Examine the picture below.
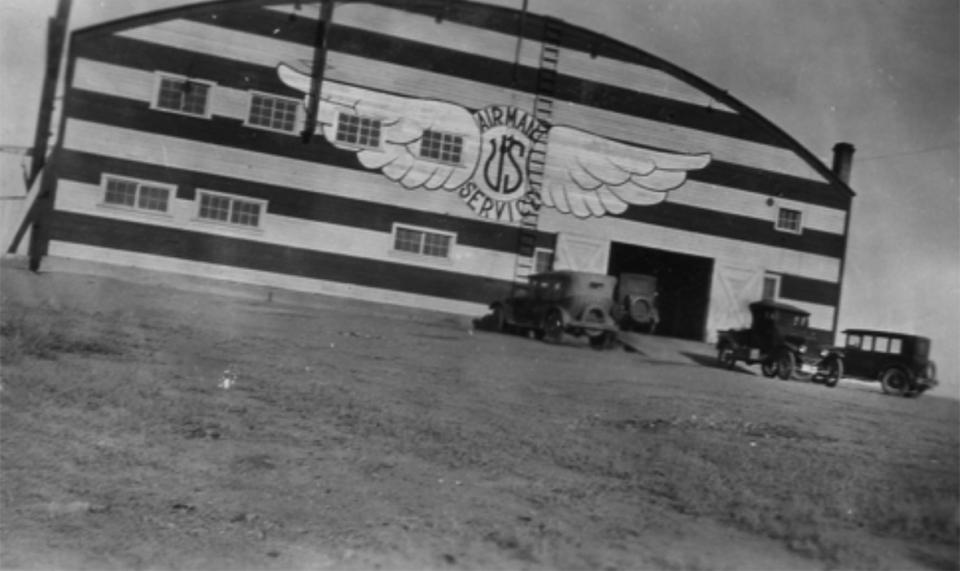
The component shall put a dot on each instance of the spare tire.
(641, 310)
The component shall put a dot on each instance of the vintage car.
(561, 302)
(635, 303)
(780, 339)
(900, 362)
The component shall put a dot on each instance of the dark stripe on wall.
(230, 132)
(145, 56)
(743, 228)
(295, 203)
(253, 255)
(799, 288)
(417, 55)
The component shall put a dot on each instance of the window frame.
(297, 117)
(158, 85)
(420, 255)
(439, 160)
(233, 198)
(537, 252)
(357, 145)
(780, 228)
(105, 179)
(777, 279)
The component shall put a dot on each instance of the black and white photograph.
(480, 284)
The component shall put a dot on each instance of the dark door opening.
(683, 285)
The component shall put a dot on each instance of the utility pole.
(319, 65)
(56, 37)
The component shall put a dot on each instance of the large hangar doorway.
(683, 283)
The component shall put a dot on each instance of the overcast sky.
(881, 74)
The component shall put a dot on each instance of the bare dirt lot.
(158, 423)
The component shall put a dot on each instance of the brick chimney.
(843, 161)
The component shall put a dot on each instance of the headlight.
(824, 352)
(802, 349)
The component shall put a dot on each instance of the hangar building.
(431, 154)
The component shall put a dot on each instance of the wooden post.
(56, 36)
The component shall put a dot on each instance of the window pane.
(408, 240)
(245, 213)
(153, 198)
(273, 112)
(214, 207)
(122, 192)
(441, 146)
(770, 287)
(356, 130)
(895, 346)
(867, 343)
(881, 344)
(436, 245)
(788, 220)
(183, 95)
(543, 261)
(853, 341)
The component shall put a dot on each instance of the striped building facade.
(458, 146)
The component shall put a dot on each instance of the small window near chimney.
(789, 220)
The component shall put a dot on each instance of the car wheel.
(786, 363)
(553, 327)
(769, 368)
(896, 381)
(726, 357)
(833, 370)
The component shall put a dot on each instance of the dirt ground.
(154, 422)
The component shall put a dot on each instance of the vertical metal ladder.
(542, 110)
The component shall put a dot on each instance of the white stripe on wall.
(241, 275)
(721, 249)
(282, 231)
(264, 168)
(503, 47)
(203, 38)
(372, 186)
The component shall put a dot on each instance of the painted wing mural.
(487, 153)
(589, 175)
(402, 122)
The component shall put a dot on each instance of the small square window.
(853, 341)
(442, 147)
(357, 130)
(789, 220)
(272, 112)
(183, 95)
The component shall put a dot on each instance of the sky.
(881, 74)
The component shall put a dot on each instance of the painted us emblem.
(500, 187)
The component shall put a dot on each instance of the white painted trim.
(255, 277)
